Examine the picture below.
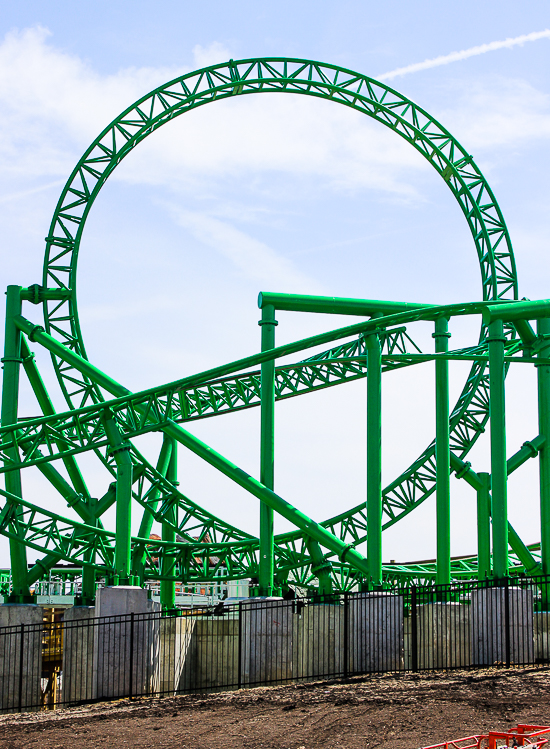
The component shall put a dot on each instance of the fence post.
(507, 619)
(414, 631)
(240, 647)
(346, 634)
(21, 653)
(131, 653)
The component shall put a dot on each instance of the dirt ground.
(402, 712)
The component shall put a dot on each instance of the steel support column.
(484, 527)
(10, 395)
(543, 375)
(139, 552)
(168, 587)
(374, 460)
(497, 411)
(320, 566)
(120, 450)
(267, 452)
(442, 454)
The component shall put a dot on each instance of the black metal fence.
(83, 658)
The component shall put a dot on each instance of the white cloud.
(211, 55)
(52, 105)
(295, 135)
(498, 112)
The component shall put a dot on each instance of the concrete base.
(318, 636)
(488, 630)
(266, 641)
(175, 653)
(407, 642)
(79, 666)
(212, 662)
(20, 657)
(121, 599)
(443, 632)
(127, 654)
(541, 624)
(376, 633)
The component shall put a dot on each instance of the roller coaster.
(104, 419)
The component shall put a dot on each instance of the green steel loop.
(376, 100)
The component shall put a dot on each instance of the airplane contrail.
(463, 54)
(32, 191)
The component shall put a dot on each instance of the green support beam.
(484, 527)
(120, 450)
(335, 305)
(320, 567)
(146, 525)
(442, 454)
(481, 482)
(168, 586)
(374, 461)
(543, 383)
(525, 332)
(38, 294)
(267, 453)
(10, 398)
(510, 312)
(498, 449)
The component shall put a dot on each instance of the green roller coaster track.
(104, 417)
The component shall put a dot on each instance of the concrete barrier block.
(488, 626)
(266, 647)
(318, 638)
(443, 633)
(79, 663)
(20, 657)
(127, 653)
(376, 632)
(541, 622)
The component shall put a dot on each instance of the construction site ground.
(387, 711)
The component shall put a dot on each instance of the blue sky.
(282, 194)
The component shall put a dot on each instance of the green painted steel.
(104, 416)
(139, 554)
(11, 362)
(120, 449)
(482, 484)
(484, 527)
(518, 311)
(442, 453)
(334, 305)
(543, 378)
(266, 561)
(168, 566)
(498, 449)
(374, 460)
